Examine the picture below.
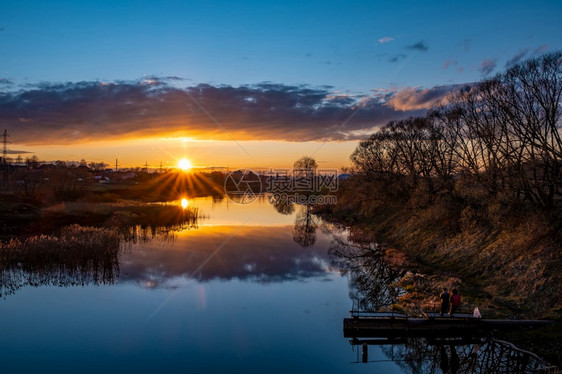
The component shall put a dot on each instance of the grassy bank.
(505, 260)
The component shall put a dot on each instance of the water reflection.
(257, 253)
(371, 278)
(373, 287)
(304, 231)
(454, 355)
(306, 224)
(156, 244)
(147, 221)
(284, 207)
(78, 256)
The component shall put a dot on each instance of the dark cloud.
(487, 66)
(5, 82)
(419, 46)
(398, 58)
(16, 152)
(516, 58)
(87, 111)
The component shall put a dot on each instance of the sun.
(184, 203)
(184, 164)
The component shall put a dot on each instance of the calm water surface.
(248, 290)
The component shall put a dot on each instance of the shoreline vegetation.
(34, 204)
(472, 190)
(76, 256)
(74, 238)
(78, 243)
(468, 196)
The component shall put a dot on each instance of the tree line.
(500, 137)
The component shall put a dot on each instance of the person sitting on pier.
(444, 302)
(455, 301)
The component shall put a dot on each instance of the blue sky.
(319, 43)
(343, 47)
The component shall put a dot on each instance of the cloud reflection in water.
(256, 253)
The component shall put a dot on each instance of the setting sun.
(184, 203)
(185, 164)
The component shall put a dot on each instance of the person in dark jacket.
(444, 301)
(455, 301)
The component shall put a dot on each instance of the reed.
(77, 256)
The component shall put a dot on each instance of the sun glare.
(184, 203)
(184, 164)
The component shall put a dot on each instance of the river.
(247, 289)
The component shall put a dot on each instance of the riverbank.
(509, 259)
(509, 269)
(21, 220)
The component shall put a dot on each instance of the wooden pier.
(391, 325)
(461, 333)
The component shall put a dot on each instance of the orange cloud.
(416, 98)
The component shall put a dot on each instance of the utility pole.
(160, 167)
(116, 169)
(146, 166)
(5, 142)
(5, 146)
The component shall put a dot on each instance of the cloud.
(419, 46)
(5, 82)
(65, 113)
(385, 39)
(516, 58)
(16, 152)
(487, 66)
(416, 98)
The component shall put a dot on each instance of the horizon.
(230, 85)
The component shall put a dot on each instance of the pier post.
(365, 353)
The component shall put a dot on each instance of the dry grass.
(78, 256)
